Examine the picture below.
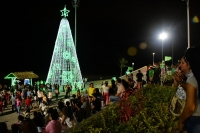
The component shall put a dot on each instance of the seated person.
(80, 112)
(86, 106)
(3, 127)
(28, 126)
(68, 116)
(38, 120)
(98, 94)
(67, 100)
(16, 126)
(27, 114)
(54, 126)
(120, 90)
(60, 105)
(96, 103)
(43, 106)
(46, 117)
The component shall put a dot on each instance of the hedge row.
(154, 117)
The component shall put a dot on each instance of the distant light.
(163, 36)
(132, 51)
(153, 53)
(143, 45)
(195, 19)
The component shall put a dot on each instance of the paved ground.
(11, 117)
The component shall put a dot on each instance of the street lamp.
(162, 37)
(188, 22)
(75, 4)
(153, 57)
(133, 65)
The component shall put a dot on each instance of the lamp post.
(172, 54)
(133, 65)
(162, 37)
(75, 4)
(153, 57)
(188, 21)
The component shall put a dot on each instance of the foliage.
(122, 63)
(126, 109)
(152, 116)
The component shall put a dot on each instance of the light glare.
(163, 36)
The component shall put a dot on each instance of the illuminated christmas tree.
(64, 68)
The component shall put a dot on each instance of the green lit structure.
(64, 68)
(26, 76)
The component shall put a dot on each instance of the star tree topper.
(64, 12)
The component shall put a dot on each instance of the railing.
(143, 71)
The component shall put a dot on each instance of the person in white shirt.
(105, 90)
(44, 108)
(49, 97)
(120, 90)
(39, 95)
(13, 101)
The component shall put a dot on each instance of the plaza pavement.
(11, 117)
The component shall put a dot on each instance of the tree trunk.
(121, 72)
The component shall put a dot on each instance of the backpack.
(178, 102)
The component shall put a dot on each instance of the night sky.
(105, 31)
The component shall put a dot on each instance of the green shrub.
(153, 117)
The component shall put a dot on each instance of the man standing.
(68, 90)
(13, 102)
(139, 76)
(28, 102)
(39, 95)
(157, 75)
(151, 75)
(28, 93)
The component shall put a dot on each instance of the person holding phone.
(190, 65)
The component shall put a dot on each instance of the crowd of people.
(69, 111)
(75, 108)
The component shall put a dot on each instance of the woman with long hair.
(68, 116)
(190, 65)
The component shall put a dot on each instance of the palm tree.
(122, 64)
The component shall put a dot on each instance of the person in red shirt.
(1, 106)
(18, 95)
(28, 102)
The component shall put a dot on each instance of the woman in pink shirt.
(18, 105)
(54, 126)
